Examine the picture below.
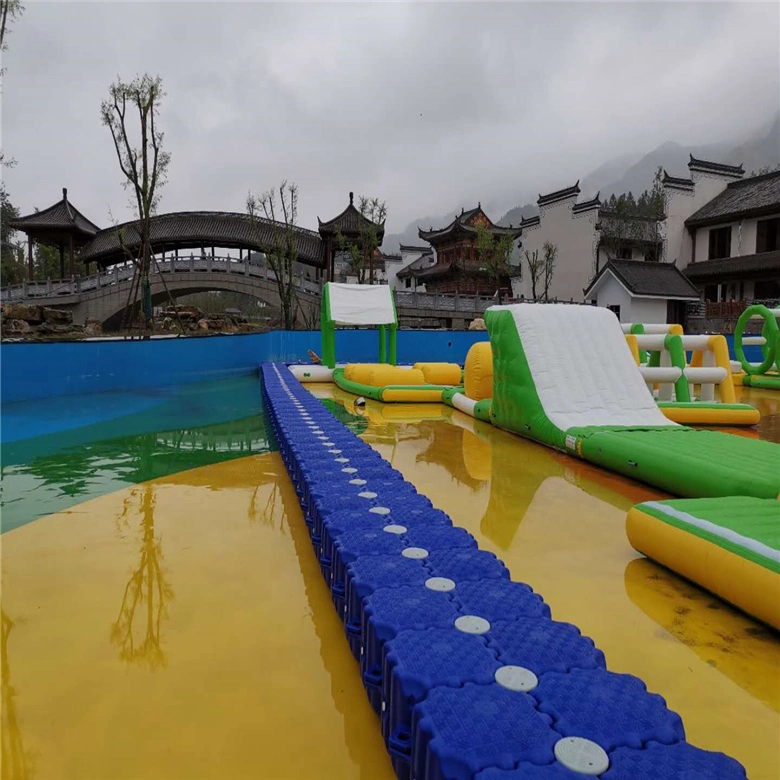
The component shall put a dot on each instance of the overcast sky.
(429, 106)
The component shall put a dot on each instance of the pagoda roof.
(61, 219)
(349, 223)
(466, 224)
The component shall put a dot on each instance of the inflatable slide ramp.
(565, 376)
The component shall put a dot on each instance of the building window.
(768, 235)
(408, 282)
(625, 253)
(711, 293)
(720, 243)
(766, 288)
(616, 309)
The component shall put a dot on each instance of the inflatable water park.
(468, 671)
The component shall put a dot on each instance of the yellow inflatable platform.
(730, 546)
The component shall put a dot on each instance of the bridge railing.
(439, 302)
(53, 288)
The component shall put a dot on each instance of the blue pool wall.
(44, 370)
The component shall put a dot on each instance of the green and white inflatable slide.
(564, 376)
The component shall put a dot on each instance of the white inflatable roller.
(464, 404)
(311, 373)
(703, 375)
(660, 373)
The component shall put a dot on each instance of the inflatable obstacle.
(474, 398)
(468, 672)
(730, 546)
(565, 376)
(420, 383)
(660, 352)
(767, 373)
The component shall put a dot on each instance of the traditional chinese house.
(458, 268)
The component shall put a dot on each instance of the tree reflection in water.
(16, 762)
(147, 587)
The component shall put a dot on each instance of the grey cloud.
(430, 106)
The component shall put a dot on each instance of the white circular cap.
(323, 436)
(328, 443)
(379, 510)
(395, 529)
(581, 755)
(342, 460)
(415, 553)
(516, 678)
(471, 624)
(335, 452)
(357, 482)
(349, 470)
(442, 584)
(367, 494)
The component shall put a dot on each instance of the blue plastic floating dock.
(471, 676)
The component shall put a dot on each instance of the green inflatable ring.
(770, 332)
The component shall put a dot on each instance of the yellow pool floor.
(181, 628)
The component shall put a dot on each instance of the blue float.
(470, 675)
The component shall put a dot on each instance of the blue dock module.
(470, 675)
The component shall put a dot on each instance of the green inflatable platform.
(564, 376)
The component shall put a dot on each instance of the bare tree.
(142, 159)
(493, 255)
(535, 269)
(10, 11)
(264, 212)
(548, 267)
(361, 253)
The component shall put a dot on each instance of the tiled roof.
(587, 205)
(61, 217)
(531, 221)
(765, 262)
(193, 229)
(554, 197)
(425, 250)
(676, 183)
(706, 166)
(749, 197)
(661, 280)
(413, 269)
(349, 222)
(460, 224)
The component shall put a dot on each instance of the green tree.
(493, 253)
(144, 165)
(264, 212)
(361, 253)
(12, 268)
(47, 262)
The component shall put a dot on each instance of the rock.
(20, 311)
(92, 329)
(16, 328)
(203, 325)
(477, 324)
(58, 315)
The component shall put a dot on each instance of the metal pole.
(30, 272)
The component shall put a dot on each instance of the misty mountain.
(757, 151)
(408, 235)
(632, 173)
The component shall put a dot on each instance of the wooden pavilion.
(61, 225)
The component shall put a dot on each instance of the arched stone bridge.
(103, 296)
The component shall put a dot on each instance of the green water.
(83, 447)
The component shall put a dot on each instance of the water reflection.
(139, 641)
(361, 728)
(15, 760)
(52, 482)
(723, 637)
